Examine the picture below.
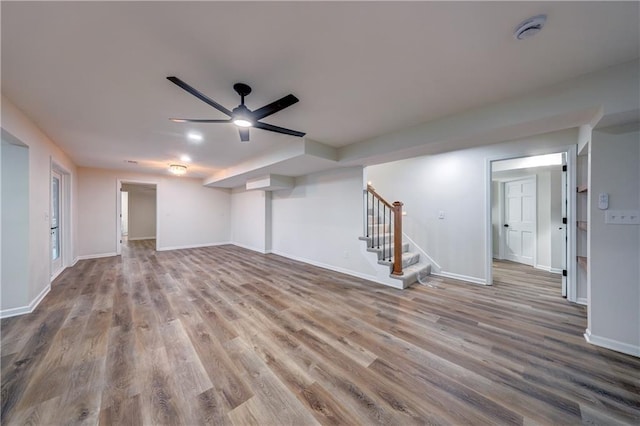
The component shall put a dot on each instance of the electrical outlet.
(441, 214)
(622, 217)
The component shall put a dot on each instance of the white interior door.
(56, 223)
(520, 220)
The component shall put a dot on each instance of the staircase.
(383, 223)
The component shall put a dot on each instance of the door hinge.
(564, 167)
(120, 241)
(564, 220)
(564, 272)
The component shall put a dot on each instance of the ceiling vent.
(530, 27)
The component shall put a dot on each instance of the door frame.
(502, 244)
(64, 220)
(119, 183)
(571, 158)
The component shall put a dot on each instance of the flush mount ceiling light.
(178, 169)
(529, 27)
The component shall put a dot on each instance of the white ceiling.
(92, 75)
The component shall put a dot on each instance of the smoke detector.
(530, 27)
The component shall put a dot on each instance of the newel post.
(397, 238)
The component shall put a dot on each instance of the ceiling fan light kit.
(241, 116)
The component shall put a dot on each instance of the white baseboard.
(244, 246)
(581, 301)
(614, 345)
(56, 275)
(74, 262)
(331, 267)
(141, 238)
(460, 277)
(548, 269)
(224, 243)
(94, 256)
(6, 313)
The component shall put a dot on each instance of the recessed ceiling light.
(185, 158)
(530, 27)
(194, 136)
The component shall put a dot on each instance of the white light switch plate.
(622, 217)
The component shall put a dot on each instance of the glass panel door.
(56, 244)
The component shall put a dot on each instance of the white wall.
(454, 183)
(15, 225)
(614, 250)
(142, 214)
(42, 152)
(188, 214)
(320, 219)
(251, 219)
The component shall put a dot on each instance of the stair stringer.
(435, 267)
(381, 271)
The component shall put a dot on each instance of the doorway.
(59, 220)
(529, 209)
(136, 212)
(56, 230)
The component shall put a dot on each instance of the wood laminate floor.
(223, 335)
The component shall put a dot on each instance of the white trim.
(74, 262)
(582, 301)
(337, 269)
(141, 238)
(615, 345)
(251, 248)
(57, 274)
(224, 243)
(460, 277)
(548, 269)
(95, 256)
(26, 309)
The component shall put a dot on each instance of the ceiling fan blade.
(197, 120)
(194, 92)
(272, 128)
(244, 134)
(274, 107)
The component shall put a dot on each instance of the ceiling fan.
(241, 116)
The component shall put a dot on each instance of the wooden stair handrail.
(396, 209)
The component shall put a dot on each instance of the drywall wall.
(142, 214)
(320, 219)
(15, 225)
(454, 183)
(42, 154)
(250, 219)
(612, 91)
(614, 250)
(188, 214)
